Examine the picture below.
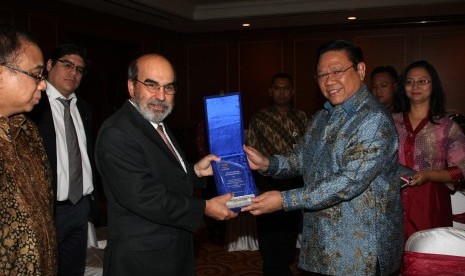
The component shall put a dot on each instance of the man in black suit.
(152, 212)
(66, 67)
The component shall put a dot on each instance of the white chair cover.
(442, 240)
(458, 207)
(91, 235)
(241, 233)
(95, 252)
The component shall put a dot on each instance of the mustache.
(157, 102)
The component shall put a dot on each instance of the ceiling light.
(245, 24)
(351, 17)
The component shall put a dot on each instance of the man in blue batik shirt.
(348, 159)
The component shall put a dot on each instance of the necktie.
(74, 155)
(160, 130)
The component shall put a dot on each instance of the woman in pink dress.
(432, 145)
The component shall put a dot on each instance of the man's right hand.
(217, 209)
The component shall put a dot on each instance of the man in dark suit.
(72, 170)
(152, 212)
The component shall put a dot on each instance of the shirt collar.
(349, 106)
(53, 94)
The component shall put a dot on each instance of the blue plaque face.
(225, 136)
(233, 175)
(224, 124)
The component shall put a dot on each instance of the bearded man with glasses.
(152, 212)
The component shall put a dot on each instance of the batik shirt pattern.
(27, 232)
(351, 198)
(273, 133)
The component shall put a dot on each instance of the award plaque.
(226, 137)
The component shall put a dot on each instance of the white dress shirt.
(62, 152)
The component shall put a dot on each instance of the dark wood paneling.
(233, 61)
(444, 49)
(174, 51)
(382, 50)
(44, 28)
(207, 75)
(104, 87)
(308, 96)
(6, 16)
(258, 62)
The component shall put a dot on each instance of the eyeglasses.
(152, 87)
(71, 66)
(417, 82)
(39, 77)
(336, 73)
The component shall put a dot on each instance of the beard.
(149, 114)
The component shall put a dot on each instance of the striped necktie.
(161, 131)
(74, 155)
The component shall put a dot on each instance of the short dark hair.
(354, 53)
(11, 41)
(391, 71)
(70, 49)
(282, 75)
(437, 99)
(133, 70)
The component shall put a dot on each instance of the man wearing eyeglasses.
(152, 212)
(348, 158)
(27, 240)
(64, 121)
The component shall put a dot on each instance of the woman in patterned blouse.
(431, 144)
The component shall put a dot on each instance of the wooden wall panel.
(104, 87)
(445, 51)
(207, 75)
(44, 29)
(6, 16)
(308, 95)
(382, 50)
(175, 52)
(233, 61)
(258, 62)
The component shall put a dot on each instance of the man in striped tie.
(152, 212)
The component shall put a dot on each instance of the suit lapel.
(152, 134)
(174, 142)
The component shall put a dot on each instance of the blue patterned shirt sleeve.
(348, 159)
